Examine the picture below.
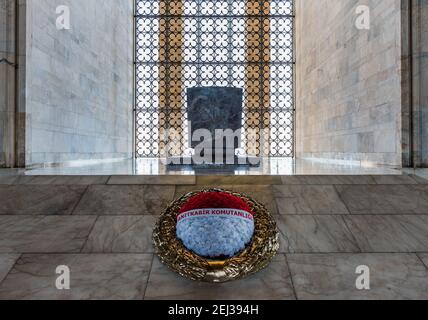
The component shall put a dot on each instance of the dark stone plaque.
(214, 108)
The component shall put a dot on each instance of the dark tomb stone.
(212, 109)
(215, 108)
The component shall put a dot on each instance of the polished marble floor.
(268, 166)
(100, 226)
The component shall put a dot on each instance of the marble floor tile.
(419, 180)
(333, 276)
(316, 234)
(125, 200)
(283, 241)
(6, 263)
(61, 180)
(7, 180)
(215, 180)
(393, 233)
(327, 179)
(153, 180)
(394, 179)
(39, 200)
(273, 283)
(122, 234)
(308, 199)
(424, 258)
(262, 194)
(40, 234)
(385, 199)
(92, 277)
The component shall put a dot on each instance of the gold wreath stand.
(258, 254)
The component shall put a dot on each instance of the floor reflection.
(269, 166)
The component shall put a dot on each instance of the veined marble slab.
(125, 200)
(273, 283)
(122, 234)
(6, 263)
(153, 180)
(92, 277)
(385, 199)
(39, 199)
(327, 179)
(30, 234)
(390, 233)
(308, 199)
(316, 234)
(333, 276)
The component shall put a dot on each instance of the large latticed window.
(228, 43)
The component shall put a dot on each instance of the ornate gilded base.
(258, 254)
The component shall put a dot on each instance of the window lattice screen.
(193, 43)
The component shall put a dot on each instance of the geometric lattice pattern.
(192, 43)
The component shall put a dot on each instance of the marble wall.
(419, 84)
(349, 82)
(7, 80)
(79, 86)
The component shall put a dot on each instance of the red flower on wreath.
(215, 200)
